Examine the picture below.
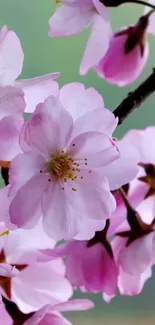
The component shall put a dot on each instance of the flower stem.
(135, 98)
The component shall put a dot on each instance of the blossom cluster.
(66, 177)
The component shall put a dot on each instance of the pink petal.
(60, 220)
(68, 21)
(146, 209)
(91, 199)
(78, 100)
(141, 139)
(97, 148)
(42, 317)
(137, 256)
(49, 129)
(96, 41)
(99, 270)
(87, 4)
(8, 270)
(99, 120)
(12, 57)
(73, 305)
(10, 127)
(11, 101)
(101, 9)
(125, 68)
(4, 204)
(23, 167)
(30, 239)
(126, 165)
(25, 207)
(132, 284)
(38, 286)
(88, 228)
(37, 89)
(151, 26)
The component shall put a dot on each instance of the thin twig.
(135, 98)
(116, 3)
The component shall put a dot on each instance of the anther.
(73, 144)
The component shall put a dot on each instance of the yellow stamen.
(4, 233)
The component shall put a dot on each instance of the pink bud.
(126, 56)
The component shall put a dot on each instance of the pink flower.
(89, 264)
(59, 175)
(74, 16)
(51, 314)
(128, 284)
(126, 56)
(12, 56)
(35, 282)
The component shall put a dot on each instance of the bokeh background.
(29, 18)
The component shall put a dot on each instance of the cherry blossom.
(74, 16)
(62, 167)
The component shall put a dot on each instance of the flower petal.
(96, 40)
(11, 101)
(73, 305)
(60, 220)
(37, 89)
(33, 290)
(23, 167)
(11, 56)
(25, 207)
(130, 285)
(78, 100)
(126, 165)
(91, 199)
(49, 129)
(68, 21)
(137, 256)
(10, 127)
(95, 147)
(99, 120)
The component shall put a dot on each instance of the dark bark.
(135, 98)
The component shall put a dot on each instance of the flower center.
(61, 166)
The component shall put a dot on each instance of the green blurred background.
(29, 18)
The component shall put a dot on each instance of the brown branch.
(135, 98)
